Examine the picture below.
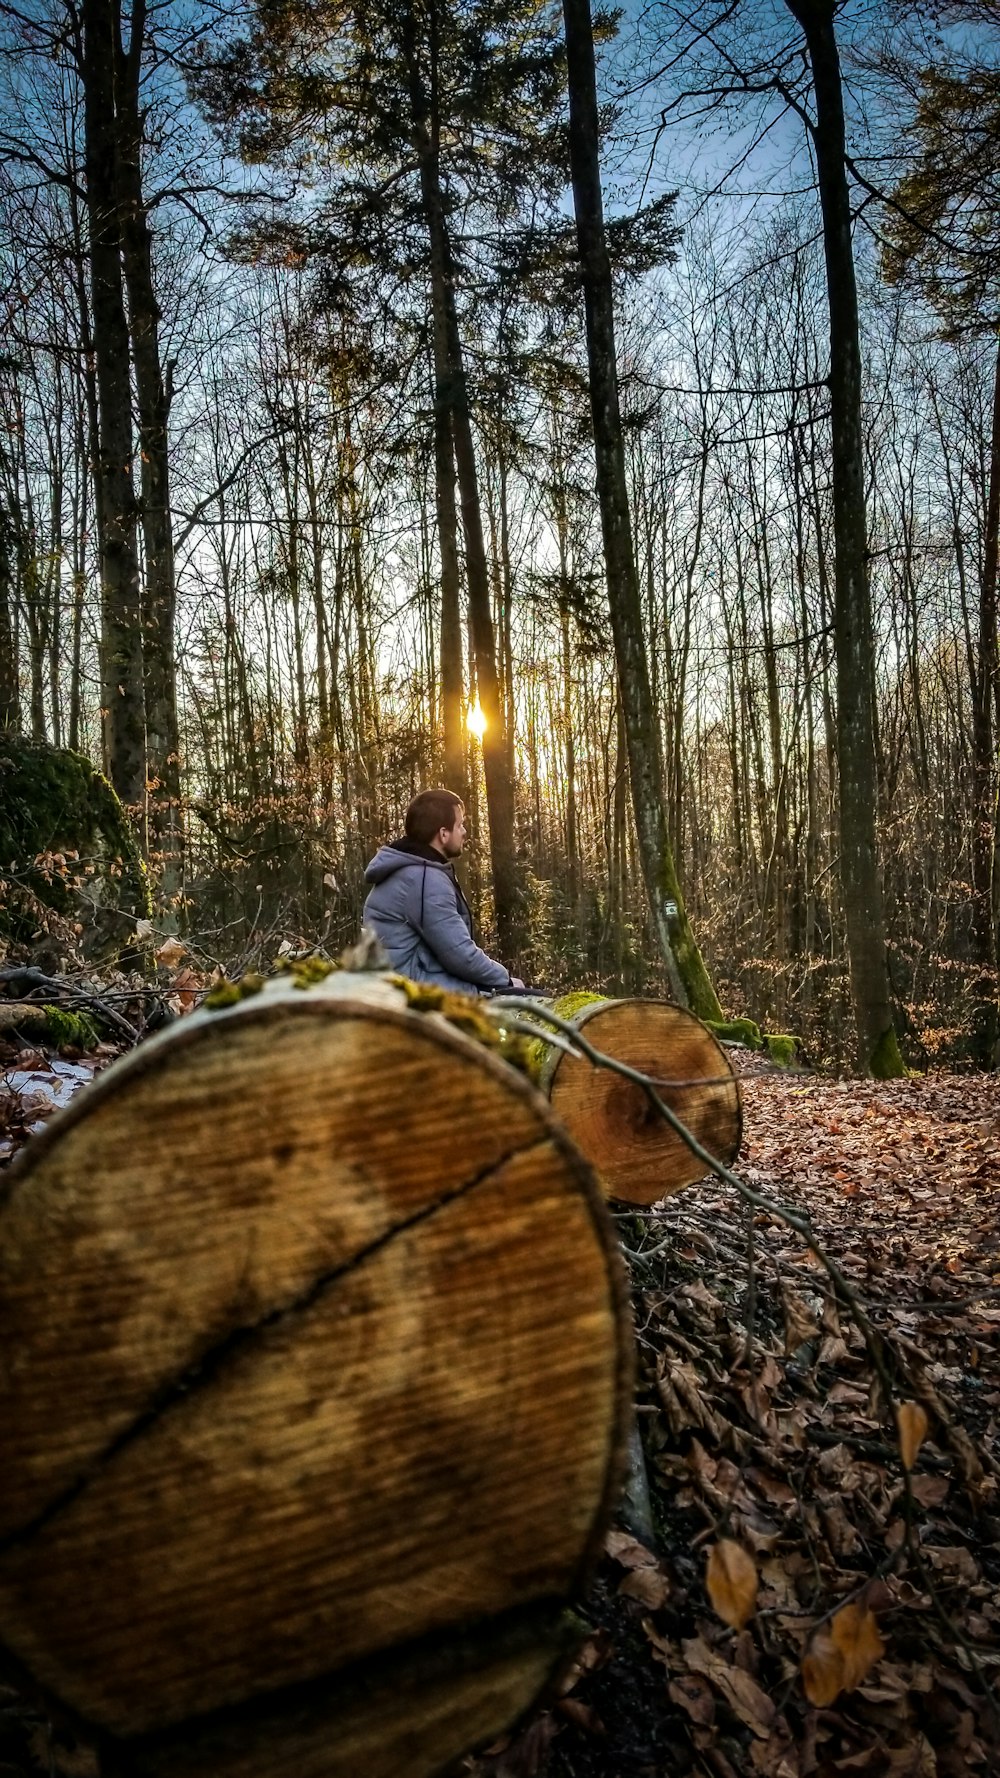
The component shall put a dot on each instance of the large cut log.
(638, 1155)
(313, 1380)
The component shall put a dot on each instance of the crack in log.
(209, 1363)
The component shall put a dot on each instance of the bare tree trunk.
(686, 971)
(452, 392)
(121, 639)
(878, 1049)
(984, 819)
(10, 685)
(160, 598)
(452, 674)
(496, 767)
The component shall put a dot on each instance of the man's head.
(436, 818)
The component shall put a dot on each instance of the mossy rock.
(743, 1031)
(61, 823)
(783, 1049)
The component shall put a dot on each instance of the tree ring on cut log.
(314, 1374)
(639, 1157)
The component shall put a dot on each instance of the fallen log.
(637, 1154)
(314, 1386)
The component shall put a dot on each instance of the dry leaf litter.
(824, 1599)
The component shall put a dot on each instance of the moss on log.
(51, 1025)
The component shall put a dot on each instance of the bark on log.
(314, 1366)
(639, 1158)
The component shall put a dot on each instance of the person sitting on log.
(415, 904)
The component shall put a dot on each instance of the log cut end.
(639, 1157)
(313, 1388)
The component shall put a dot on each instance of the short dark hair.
(429, 811)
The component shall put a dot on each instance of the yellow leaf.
(731, 1582)
(912, 1424)
(841, 1655)
(170, 953)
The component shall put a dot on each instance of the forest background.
(297, 492)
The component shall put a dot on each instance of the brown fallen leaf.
(647, 1585)
(583, 1715)
(954, 1561)
(776, 1757)
(930, 1490)
(627, 1550)
(912, 1424)
(841, 1654)
(917, 1760)
(693, 1695)
(731, 1582)
(186, 987)
(740, 1691)
(800, 1322)
(170, 953)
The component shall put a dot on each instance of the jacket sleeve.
(445, 933)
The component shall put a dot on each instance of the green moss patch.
(53, 1026)
(467, 1015)
(886, 1061)
(743, 1031)
(60, 822)
(231, 993)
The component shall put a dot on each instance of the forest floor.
(864, 1611)
(764, 1424)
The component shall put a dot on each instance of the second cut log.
(636, 1153)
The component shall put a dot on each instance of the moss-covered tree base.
(63, 831)
(886, 1061)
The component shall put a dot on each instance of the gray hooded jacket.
(416, 908)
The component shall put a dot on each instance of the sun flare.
(475, 721)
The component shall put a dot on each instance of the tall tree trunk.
(452, 674)
(160, 599)
(984, 815)
(688, 976)
(452, 393)
(10, 683)
(496, 766)
(878, 1049)
(121, 627)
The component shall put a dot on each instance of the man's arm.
(444, 931)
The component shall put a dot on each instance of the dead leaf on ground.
(841, 1654)
(912, 1424)
(693, 1695)
(739, 1689)
(731, 1582)
(800, 1322)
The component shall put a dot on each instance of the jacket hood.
(402, 855)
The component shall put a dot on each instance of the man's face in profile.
(453, 840)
